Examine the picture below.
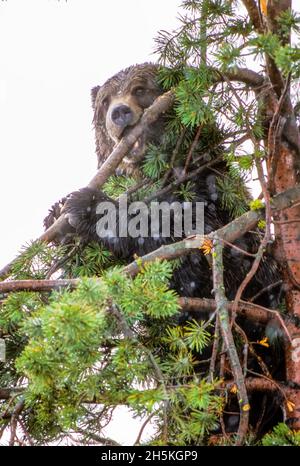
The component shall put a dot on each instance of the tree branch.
(225, 327)
(160, 105)
(254, 14)
(229, 233)
(6, 393)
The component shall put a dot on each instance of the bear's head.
(118, 105)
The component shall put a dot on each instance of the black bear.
(118, 105)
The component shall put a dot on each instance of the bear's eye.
(139, 91)
(105, 102)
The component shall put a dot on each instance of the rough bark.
(284, 159)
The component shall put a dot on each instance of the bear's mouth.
(136, 153)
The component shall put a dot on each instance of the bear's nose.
(122, 115)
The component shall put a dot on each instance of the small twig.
(222, 362)
(136, 187)
(265, 290)
(242, 251)
(59, 263)
(284, 327)
(102, 440)
(192, 149)
(267, 386)
(143, 428)
(263, 244)
(174, 155)
(262, 413)
(187, 177)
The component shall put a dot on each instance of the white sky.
(52, 53)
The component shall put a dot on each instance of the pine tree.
(99, 335)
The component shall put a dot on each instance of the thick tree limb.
(37, 285)
(260, 384)
(254, 14)
(244, 75)
(229, 232)
(161, 105)
(274, 10)
(251, 311)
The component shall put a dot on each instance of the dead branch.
(265, 290)
(263, 244)
(37, 285)
(245, 309)
(230, 232)
(184, 178)
(259, 384)
(225, 327)
(138, 439)
(192, 149)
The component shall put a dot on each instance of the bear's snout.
(122, 115)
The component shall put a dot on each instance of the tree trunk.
(287, 232)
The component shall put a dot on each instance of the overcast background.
(51, 54)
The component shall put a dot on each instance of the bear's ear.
(94, 93)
